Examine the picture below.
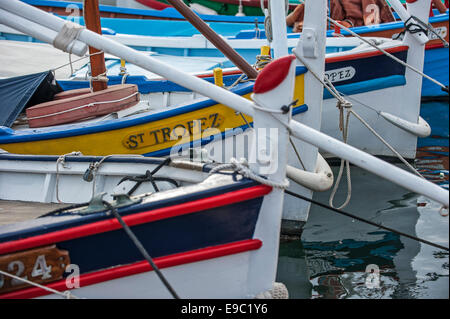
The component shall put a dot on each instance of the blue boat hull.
(436, 66)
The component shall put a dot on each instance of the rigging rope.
(340, 97)
(141, 249)
(242, 168)
(67, 294)
(61, 160)
(366, 221)
(420, 26)
(444, 87)
(344, 128)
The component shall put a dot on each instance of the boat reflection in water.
(336, 256)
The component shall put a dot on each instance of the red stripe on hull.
(136, 219)
(154, 4)
(235, 72)
(142, 266)
(434, 46)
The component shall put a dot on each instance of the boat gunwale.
(76, 129)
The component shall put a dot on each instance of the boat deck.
(12, 211)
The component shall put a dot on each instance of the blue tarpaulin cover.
(19, 92)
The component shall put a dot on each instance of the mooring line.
(141, 249)
(365, 220)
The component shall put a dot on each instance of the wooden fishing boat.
(351, 72)
(231, 247)
(228, 7)
(75, 178)
(175, 38)
(149, 129)
(218, 225)
(214, 120)
(211, 226)
(223, 224)
(128, 11)
(243, 38)
(147, 10)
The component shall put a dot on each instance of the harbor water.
(339, 257)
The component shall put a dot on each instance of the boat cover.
(20, 92)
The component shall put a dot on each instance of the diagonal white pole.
(240, 104)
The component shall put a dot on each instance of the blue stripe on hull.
(436, 66)
(364, 68)
(367, 86)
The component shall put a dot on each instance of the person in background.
(356, 13)
(439, 5)
(353, 13)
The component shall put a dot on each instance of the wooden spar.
(92, 21)
(215, 39)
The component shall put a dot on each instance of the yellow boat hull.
(154, 138)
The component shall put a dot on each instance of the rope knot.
(262, 61)
(242, 167)
(344, 104)
(66, 37)
(100, 78)
(341, 104)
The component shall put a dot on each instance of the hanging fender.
(420, 129)
(319, 181)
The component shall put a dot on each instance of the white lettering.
(41, 269)
(339, 75)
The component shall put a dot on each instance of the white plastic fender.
(320, 181)
(421, 129)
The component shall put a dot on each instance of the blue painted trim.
(82, 129)
(166, 13)
(436, 66)
(145, 86)
(174, 14)
(387, 26)
(79, 159)
(369, 85)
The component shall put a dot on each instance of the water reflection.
(332, 258)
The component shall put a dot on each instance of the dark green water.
(332, 257)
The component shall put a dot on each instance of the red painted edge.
(273, 74)
(434, 46)
(154, 4)
(136, 219)
(366, 54)
(233, 72)
(141, 266)
(342, 58)
(252, 3)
